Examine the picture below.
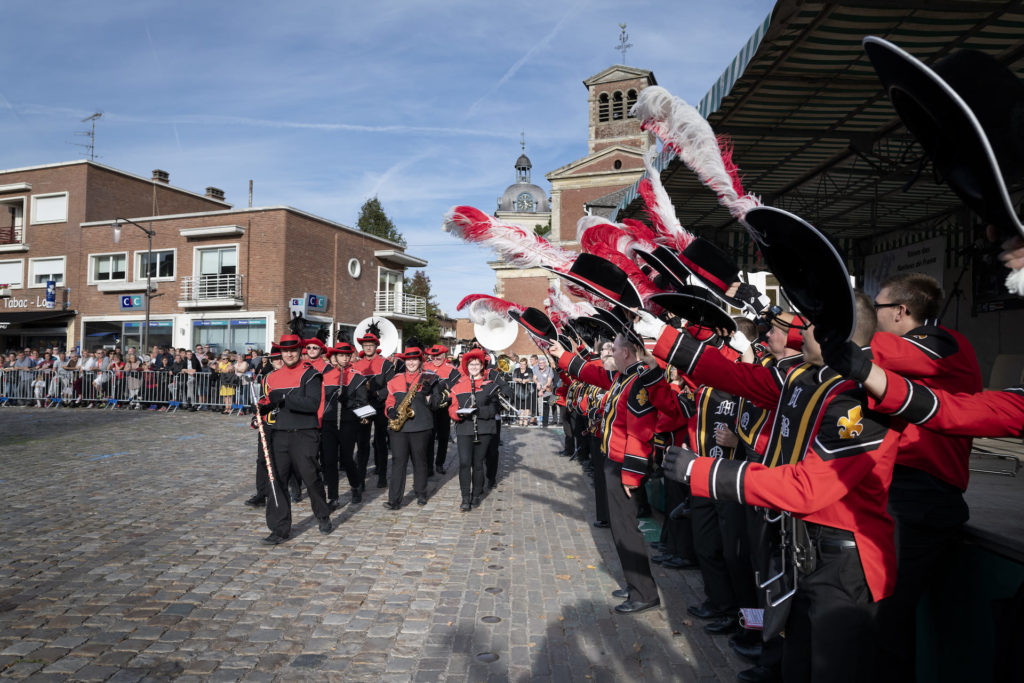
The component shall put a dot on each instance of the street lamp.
(149, 272)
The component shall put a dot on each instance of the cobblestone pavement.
(127, 554)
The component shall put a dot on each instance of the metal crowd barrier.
(525, 407)
(133, 389)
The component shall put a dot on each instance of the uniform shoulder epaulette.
(933, 340)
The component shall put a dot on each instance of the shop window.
(43, 269)
(241, 334)
(108, 267)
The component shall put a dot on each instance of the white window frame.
(91, 278)
(137, 265)
(21, 261)
(46, 196)
(30, 277)
(197, 249)
(12, 202)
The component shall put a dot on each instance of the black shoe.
(601, 524)
(758, 674)
(678, 563)
(441, 469)
(663, 557)
(751, 651)
(476, 501)
(325, 525)
(635, 606)
(382, 483)
(357, 495)
(681, 511)
(333, 504)
(722, 626)
(706, 610)
(296, 496)
(256, 500)
(422, 500)
(621, 593)
(644, 511)
(491, 483)
(392, 506)
(466, 506)
(659, 546)
(273, 539)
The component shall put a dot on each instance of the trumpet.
(504, 364)
(506, 405)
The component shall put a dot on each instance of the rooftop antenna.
(624, 43)
(91, 134)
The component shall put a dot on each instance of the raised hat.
(966, 111)
(810, 269)
(697, 306)
(667, 264)
(603, 278)
(616, 320)
(712, 266)
(535, 322)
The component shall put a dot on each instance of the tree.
(373, 220)
(428, 332)
(542, 230)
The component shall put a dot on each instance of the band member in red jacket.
(378, 371)
(353, 437)
(293, 402)
(631, 406)
(437, 362)
(413, 395)
(475, 395)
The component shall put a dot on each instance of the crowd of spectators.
(197, 379)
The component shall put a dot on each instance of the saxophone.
(404, 410)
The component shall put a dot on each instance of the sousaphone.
(497, 334)
(385, 330)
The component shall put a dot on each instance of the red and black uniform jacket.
(940, 359)
(446, 372)
(984, 414)
(714, 407)
(631, 407)
(426, 400)
(754, 422)
(831, 458)
(562, 389)
(332, 383)
(296, 396)
(378, 371)
(321, 364)
(344, 390)
(486, 402)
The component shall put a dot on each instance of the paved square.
(128, 554)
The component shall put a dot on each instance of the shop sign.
(316, 303)
(40, 302)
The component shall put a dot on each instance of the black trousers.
(471, 464)
(406, 446)
(929, 515)
(380, 441)
(707, 542)
(830, 632)
(678, 533)
(491, 460)
(329, 446)
(569, 429)
(763, 539)
(629, 541)
(295, 452)
(597, 459)
(354, 438)
(732, 525)
(438, 451)
(262, 480)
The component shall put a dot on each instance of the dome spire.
(523, 164)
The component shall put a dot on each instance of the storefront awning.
(11, 318)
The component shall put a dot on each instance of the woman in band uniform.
(410, 425)
(473, 431)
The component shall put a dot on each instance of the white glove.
(647, 325)
(739, 341)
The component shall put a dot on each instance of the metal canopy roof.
(813, 132)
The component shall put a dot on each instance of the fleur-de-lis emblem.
(641, 397)
(852, 425)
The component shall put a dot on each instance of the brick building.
(227, 277)
(614, 161)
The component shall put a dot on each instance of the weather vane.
(624, 43)
(522, 141)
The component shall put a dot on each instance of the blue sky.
(324, 104)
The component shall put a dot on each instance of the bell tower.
(610, 95)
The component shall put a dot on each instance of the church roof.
(537, 202)
(619, 72)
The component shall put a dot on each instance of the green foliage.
(428, 332)
(542, 230)
(373, 220)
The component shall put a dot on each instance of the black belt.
(830, 538)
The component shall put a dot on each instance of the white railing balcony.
(401, 304)
(211, 290)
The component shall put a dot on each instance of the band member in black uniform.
(437, 362)
(272, 362)
(473, 390)
(413, 395)
(353, 431)
(293, 403)
(330, 440)
(379, 371)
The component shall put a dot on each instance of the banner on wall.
(928, 257)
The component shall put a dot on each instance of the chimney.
(215, 193)
(161, 176)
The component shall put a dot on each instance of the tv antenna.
(91, 134)
(624, 43)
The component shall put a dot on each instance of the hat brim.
(596, 326)
(667, 264)
(616, 320)
(946, 127)
(537, 324)
(811, 271)
(624, 293)
(696, 306)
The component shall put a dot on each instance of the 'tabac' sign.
(132, 302)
